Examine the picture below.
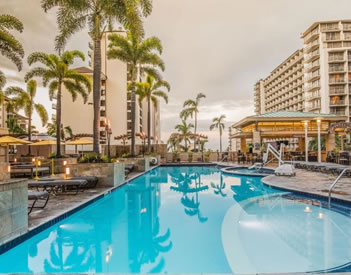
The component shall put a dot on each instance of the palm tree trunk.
(58, 121)
(97, 94)
(148, 126)
(195, 128)
(220, 142)
(29, 133)
(133, 105)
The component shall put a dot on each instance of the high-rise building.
(315, 78)
(115, 102)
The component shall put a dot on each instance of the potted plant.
(207, 156)
(190, 156)
(175, 156)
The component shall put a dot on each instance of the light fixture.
(64, 162)
(320, 216)
(39, 163)
(8, 168)
(67, 172)
(307, 209)
(306, 123)
(318, 121)
(33, 159)
(15, 160)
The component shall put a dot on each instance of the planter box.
(13, 209)
(141, 164)
(58, 163)
(109, 174)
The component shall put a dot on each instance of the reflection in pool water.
(189, 220)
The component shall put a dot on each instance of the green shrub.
(125, 155)
(93, 158)
(53, 156)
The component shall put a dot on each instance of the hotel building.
(115, 102)
(315, 78)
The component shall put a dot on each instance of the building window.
(332, 36)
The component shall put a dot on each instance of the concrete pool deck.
(312, 183)
(60, 204)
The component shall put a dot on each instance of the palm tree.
(140, 55)
(150, 90)
(185, 132)
(218, 123)
(192, 109)
(24, 99)
(10, 47)
(57, 74)
(98, 16)
(173, 142)
(13, 126)
(51, 130)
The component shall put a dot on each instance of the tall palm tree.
(173, 142)
(24, 99)
(191, 108)
(218, 123)
(13, 126)
(51, 130)
(98, 16)
(141, 56)
(10, 47)
(150, 90)
(184, 130)
(57, 74)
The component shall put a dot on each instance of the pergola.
(287, 125)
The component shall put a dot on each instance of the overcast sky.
(217, 47)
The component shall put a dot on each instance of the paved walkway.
(312, 182)
(60, 204)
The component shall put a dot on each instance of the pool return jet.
(283, 169)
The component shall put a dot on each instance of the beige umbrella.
(80, 141)
(8, 140)
(46, 143)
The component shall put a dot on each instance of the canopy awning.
(80, 141)
(8, 140)
(46, 142)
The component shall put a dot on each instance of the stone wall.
(109, 174)
(13, 209)
(4, 174)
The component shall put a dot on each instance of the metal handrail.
(334, 183)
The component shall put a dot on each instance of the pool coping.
(245, 174)
(265, 181)
(11, 243)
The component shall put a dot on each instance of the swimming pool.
(190, 220)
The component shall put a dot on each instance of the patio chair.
(344, 158)
(56, 186)
(331, 157)
(35, 197)
(128, 169)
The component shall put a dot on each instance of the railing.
(336, 58)
(335, 81)
(336, 103)
(337, 92)
(334, 183)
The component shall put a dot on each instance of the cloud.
(218, 47)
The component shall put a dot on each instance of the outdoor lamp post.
(319, 140)
(108, 133)
(306, 142)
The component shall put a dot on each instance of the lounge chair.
(28, 170)
(128, 169)
(35, 197)
(55, 185)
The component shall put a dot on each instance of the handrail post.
(334, 183)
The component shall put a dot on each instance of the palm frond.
(42, 113)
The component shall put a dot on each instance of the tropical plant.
(10, 47)
(57, 74)
(65, 130)
(191, 108)
(150, 90)
(13, 126)
(93, 158)
(173, 142)
(24, 99)
(313, 144)
(141, 55)
(98, 16)
(218, 123)
(185, 133)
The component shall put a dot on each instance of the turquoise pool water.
(189, 220)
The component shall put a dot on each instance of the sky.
(217, 47)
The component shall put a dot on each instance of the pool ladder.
(334, 183)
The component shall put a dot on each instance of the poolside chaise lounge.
(128, 169)
(92, 181)
(56, 185)
(35, 197)
(28, 170)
